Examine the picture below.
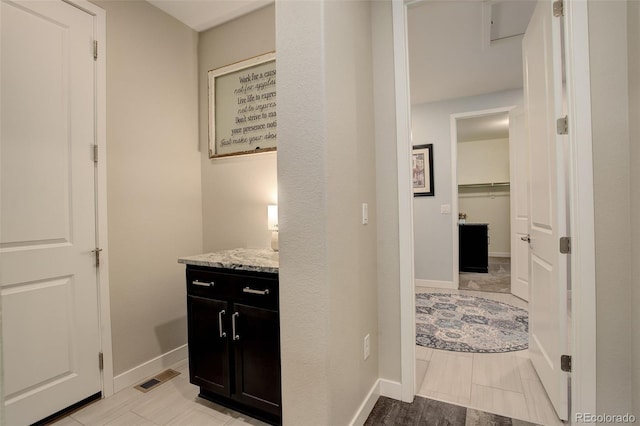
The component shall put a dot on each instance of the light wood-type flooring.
(174, 403)
(504, 384)
(501, 383)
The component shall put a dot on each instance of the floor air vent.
(156, 380)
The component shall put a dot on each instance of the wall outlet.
(367, 346)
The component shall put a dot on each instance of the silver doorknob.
(526, 239)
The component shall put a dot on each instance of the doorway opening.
(578, 102)
(483, 195)
(443, 48)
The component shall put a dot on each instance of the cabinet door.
(208, 344)
(474, 248)
(257, 357)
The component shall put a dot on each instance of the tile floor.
(504, 383)
(174, 403)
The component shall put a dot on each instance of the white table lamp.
(272, 225)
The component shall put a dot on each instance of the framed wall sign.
(242, 107)
(422, 170)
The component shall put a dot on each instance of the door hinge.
(565, 363)
(95, 50)
(97, 253)
(565, 245)
(558, 8)
(101, 361)
(562, 125)
(95, 154)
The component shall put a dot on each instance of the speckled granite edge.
(256, 260)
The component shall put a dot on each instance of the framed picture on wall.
(242, 107)
(422, 170)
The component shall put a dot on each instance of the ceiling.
(451, 54)
(204, 14)
(494, 126)
(467, 48)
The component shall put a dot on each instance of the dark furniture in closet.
(473, 247)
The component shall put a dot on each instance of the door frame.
(581, 212)
(454, 179)
(104, 306)
(405, 202)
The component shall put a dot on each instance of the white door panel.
(48, 280)
(548, 217)
(519, 171)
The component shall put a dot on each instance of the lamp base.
(274, 240)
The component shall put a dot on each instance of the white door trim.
(104, 308)
(581, 209)
(405, 202)
(583, 325)
(454, 179)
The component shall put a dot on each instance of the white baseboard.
(436, 284)
(381, 387)
(499, 254)
(367, 405)
(391, 389)
(149, 368)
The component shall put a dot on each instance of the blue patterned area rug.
(461, 323)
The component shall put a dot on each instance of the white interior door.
(548, 218)
(48, 281)
(519, 171)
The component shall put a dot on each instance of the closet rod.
(484, 185)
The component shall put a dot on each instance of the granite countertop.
(257, 260)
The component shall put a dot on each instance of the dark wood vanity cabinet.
(234, 339)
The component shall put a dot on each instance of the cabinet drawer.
(208, 284)
(258, 291)
(245, 287)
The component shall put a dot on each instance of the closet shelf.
(485, 185)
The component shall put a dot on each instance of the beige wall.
(153, 169)
(610, 115)
(634, 136)
(235, 190)
(326, 170)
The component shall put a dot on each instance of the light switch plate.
(365, 213)
(445, 208)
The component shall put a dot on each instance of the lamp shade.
(272, 217)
